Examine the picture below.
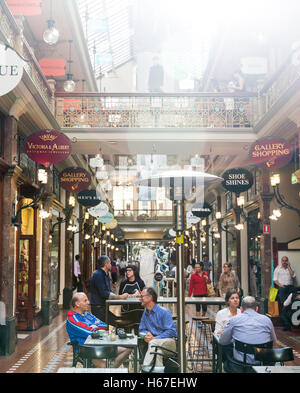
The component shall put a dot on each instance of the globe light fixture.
(51, 35)
(69, 84)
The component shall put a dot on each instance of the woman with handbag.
(228, 280)
(198, 286)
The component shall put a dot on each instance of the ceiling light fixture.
(69, 84)
(51, 35)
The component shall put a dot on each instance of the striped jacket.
(79, 326)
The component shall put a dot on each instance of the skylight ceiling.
(106, 25)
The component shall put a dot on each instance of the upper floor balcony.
(156, 110)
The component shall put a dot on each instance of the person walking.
(77, 282)
(198, 286)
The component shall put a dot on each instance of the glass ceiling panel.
(106, 25)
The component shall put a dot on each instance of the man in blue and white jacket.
(80, 324)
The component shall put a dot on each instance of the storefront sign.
(112, 225)
(48, 147)
(271, 153)
(296, 314)
(237, 180)
(201, 210)
(11, 69)
(74, 179)
(88, 198)
(266, 229)
(107, 218)
(99, 210)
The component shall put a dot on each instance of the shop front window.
(231, 246)
(254, 257)
(54, 256)
(38, 272)
(23, 271)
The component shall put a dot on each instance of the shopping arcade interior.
(211, 143)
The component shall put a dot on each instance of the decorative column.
(9, 257)
(265, 198)
(49, 306)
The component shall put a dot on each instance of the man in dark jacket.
(100, 291)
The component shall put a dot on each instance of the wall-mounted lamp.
(42, 178)
(275, 181)
(221, 228)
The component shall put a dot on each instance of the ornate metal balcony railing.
(280, 82)
(163, 110)
(10, 33)
(143, 214)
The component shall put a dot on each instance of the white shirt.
(222, 318)
(76, 268)
(283, 276)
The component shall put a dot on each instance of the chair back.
(267, 355)
(249, 348)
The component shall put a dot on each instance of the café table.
(129, 342)
(79, 370)
(276, 369)
(208, 300)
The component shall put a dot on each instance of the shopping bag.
(210, 290)
(273, 309)
(272, 294)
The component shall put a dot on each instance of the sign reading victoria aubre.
(48, 147)
(237, 180)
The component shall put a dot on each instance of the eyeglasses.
(145, 295)
(129, 270)
(284, 260)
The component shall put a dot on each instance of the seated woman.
(133, 285)
(223, 316)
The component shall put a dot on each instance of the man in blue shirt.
(100, 291)
(158, 326)
(249, 327)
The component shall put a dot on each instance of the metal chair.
(76, 357)
(270, 356)
(90, 352)
(232, 365)
(170, 361)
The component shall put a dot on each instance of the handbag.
(210, 290)
(273, 309)
(272, 294)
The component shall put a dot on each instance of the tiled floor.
(45, 350)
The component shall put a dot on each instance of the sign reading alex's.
(11, 69)
(270, 153)
(74, 179)
(237, 180)
(48, 147)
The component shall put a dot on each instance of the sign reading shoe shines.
(48, 147)
(237, 180)
(74, 179)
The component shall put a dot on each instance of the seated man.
(158, 325)
(80, 324)
(287, 311)
(249, 327)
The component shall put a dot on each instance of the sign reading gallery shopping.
(11, 69)
(74, 179)
(237, 180)
(271, 153)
